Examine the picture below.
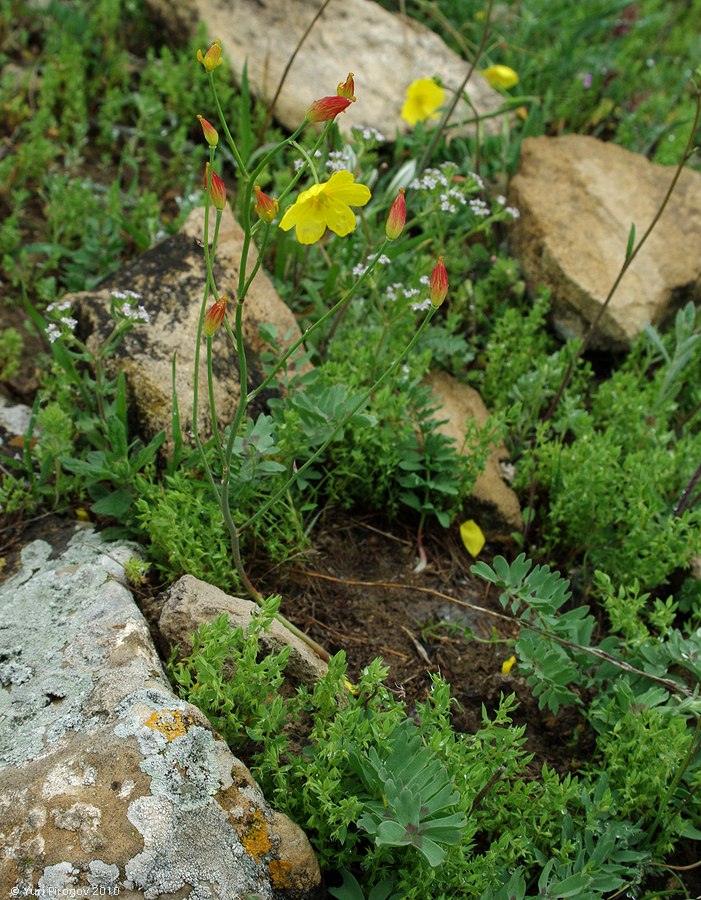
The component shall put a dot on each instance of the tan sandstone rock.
(386, 52)
(578, 198)
(109, 784)
(496, 506)
(190, 602)
(170, 279)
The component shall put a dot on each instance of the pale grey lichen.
(103, 875)
(57, 878)
(211, 859)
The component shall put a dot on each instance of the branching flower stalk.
(327, 204)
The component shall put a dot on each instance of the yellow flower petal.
(310, 230)
(508, 665)
(339, 217)
(423, 97)
(472, 537)
(502, 77)
(341, 186)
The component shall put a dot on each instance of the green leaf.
(115, 504)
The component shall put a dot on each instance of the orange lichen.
(172, 723)
(255, 839)
(280, 874)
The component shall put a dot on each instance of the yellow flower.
(502, 77)
(423, 97)
(472, 537)
(326, 205)
(508, 665)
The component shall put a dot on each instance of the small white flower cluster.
(422, 305)
(369, 134)
(430, 179)
(129, 310)
(394, 291)
(447, 198)
(362, 267)
(63, 323)
(511, 210)
(340, 160)
(479, 207)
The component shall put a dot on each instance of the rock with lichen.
(108, 782)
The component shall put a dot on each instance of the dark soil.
(357, 592)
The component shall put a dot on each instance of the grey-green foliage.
(411, 797)
(643, 724)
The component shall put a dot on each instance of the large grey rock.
(189, 603)
(108, 782)
(578, 198)
(169, 280)
(494, 504)
(386, 52)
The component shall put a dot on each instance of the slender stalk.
(230, 140)
(212, 403)
(685, 495)
(628, 261)
(440, 128)
(336, 308)
(694, 747)
(246, 209)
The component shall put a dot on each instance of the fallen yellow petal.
(508, 665)
(472, 537)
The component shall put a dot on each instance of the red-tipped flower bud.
(266, 207)
(347, 88)
(212, 58)
(438, 284)
(209, 131)
(214, 317)
(217, 191)
(396, 220)
(327, 108)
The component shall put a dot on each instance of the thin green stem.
(628, 261)
(303, 169)
(212, 403)
(230, 140)
(440, 128)
(308, 159)
(259, 259)
(246, 209)
(334, 309)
